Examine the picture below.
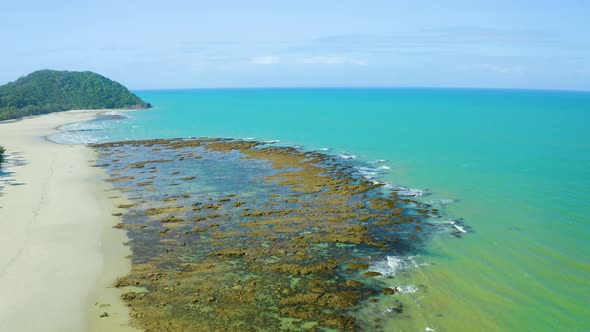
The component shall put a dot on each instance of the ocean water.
(514, 165)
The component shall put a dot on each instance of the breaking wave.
(392, 265)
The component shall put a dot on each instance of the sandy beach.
(59, 254)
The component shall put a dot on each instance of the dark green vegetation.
(47, 91)
(2, 150)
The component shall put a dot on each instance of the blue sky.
(146, 44)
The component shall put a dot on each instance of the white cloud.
(310, 60)
(501, 69)
(265, 60)
(332, 60)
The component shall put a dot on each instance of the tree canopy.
(47, 91)
(2, 150)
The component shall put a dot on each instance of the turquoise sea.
(513, 164)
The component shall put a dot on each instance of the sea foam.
(393, 265)
(346, 156)
(408, 192)
(459, 228)
(440, 202)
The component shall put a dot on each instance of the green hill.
(47, 91)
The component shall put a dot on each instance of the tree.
(47, 91)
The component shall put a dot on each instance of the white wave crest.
(367, 172)
(113, 113)
(408, 192)
(73, 138)
(440, 202)
(459, 228)
(393, 265)
(407, 289)
(346, 156)
(83, 126)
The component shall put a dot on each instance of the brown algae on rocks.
(253, 237)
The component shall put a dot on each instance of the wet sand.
(59, 254)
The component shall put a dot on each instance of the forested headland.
(47, 91)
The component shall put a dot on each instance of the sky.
(530, 44)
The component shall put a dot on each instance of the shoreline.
(58, 260)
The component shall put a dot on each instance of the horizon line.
(366, 87)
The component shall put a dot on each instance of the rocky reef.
(246, 236)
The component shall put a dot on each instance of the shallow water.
(320, 241)
(516, 165)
